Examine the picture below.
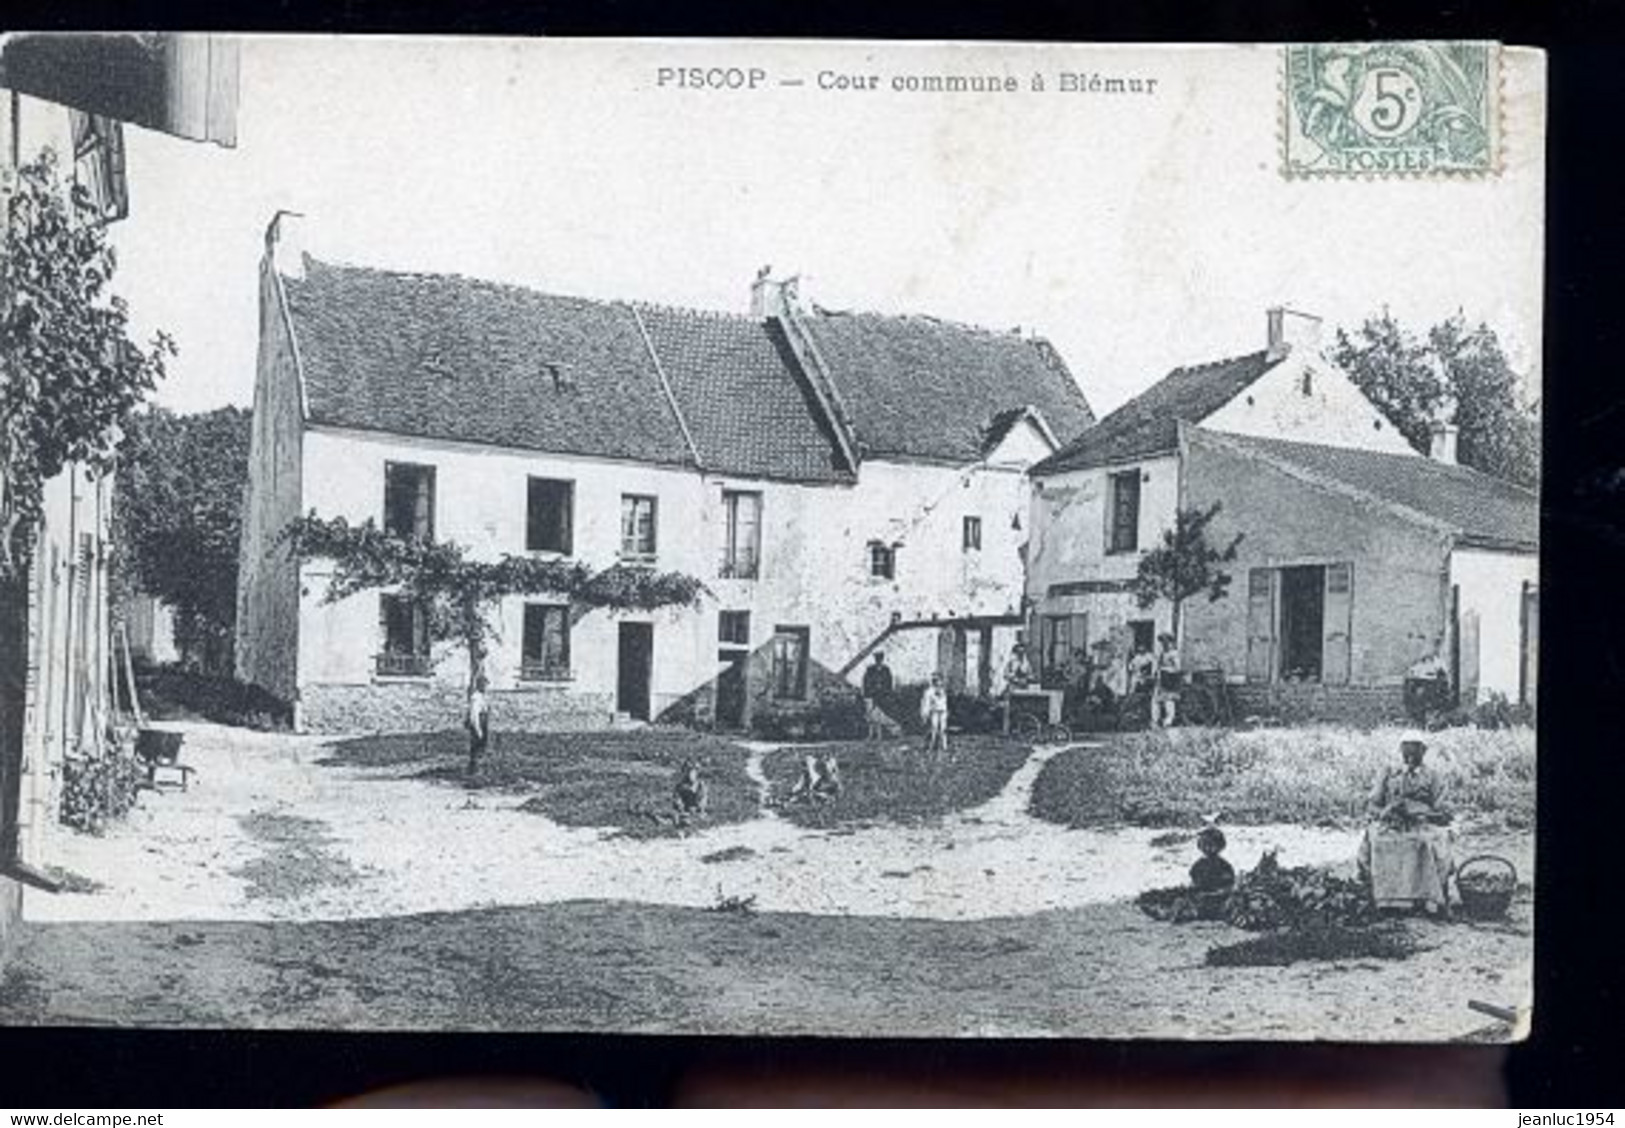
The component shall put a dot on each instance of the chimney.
(1288, 330)
(1443, 447)
(285, 244)
(773, 297)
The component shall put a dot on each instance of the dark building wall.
(268, 577)
(1400, 567)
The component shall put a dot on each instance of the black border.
(1571, 1061)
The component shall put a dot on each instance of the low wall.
(1362, 706)
(435, 706)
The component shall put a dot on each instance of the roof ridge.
(1013, 333)
(689, 311)
(492, 284)
(1417, 456)
(1205, 365)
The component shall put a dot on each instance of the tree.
(460, 595)
(1456, 374)
(1185, 563)
(177, 516)
(69, 373)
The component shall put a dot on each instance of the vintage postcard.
(774, 537)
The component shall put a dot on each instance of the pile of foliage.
(1306, 913)
(100, 788)
(1391, 941)
(1269, 897)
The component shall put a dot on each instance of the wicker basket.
(1486, 891)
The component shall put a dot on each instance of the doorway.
(730, 707)
(635, 663)
(1303, 622)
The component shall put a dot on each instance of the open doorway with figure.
(1303, 622)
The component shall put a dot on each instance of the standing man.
(478, 723)
(877, 689)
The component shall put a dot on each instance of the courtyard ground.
(290, 887)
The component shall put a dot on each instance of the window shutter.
(566, 518)
(383, 623)
(1335, 656)
(425, 504)
(1261, 584)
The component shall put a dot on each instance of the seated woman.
(1406, 853)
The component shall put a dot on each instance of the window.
(1308, 384)
(409, 500)
(548, 516)
(973, 534)
(637, 527)
(744, 549)
(882, 560)
(733, 628)
(405, 628)
(1123, 512)
(545, 652)
(790, 663)
(1060, 636)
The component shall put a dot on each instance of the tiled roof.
(446, 357)
(1149, 423)
(917, 387)
(737, 385)
(1484, 511)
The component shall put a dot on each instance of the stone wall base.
(1362, 706)
(436, 706)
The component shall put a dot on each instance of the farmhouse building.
(831, 478)
(1359, 557)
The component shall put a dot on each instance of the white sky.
(1137, 233)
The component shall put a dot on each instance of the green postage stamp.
(1386, 109)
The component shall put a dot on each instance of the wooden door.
(1261, 584)
(1337, 624)
(636, 663)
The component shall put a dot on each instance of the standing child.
(478, 723)
(934, 712)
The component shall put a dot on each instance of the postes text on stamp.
(1385, 109)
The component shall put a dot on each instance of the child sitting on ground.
(1212, 878)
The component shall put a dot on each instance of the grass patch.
(620, 780)
(1311, 776)
(894, 781)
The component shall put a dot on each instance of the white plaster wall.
(480, 502)
(1334, 413)
(815, 555)
(1491, 583)
(1069, 524)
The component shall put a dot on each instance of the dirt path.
(1100, 970)
(281, 891)
(376, 843)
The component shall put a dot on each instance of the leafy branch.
(69, 373)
